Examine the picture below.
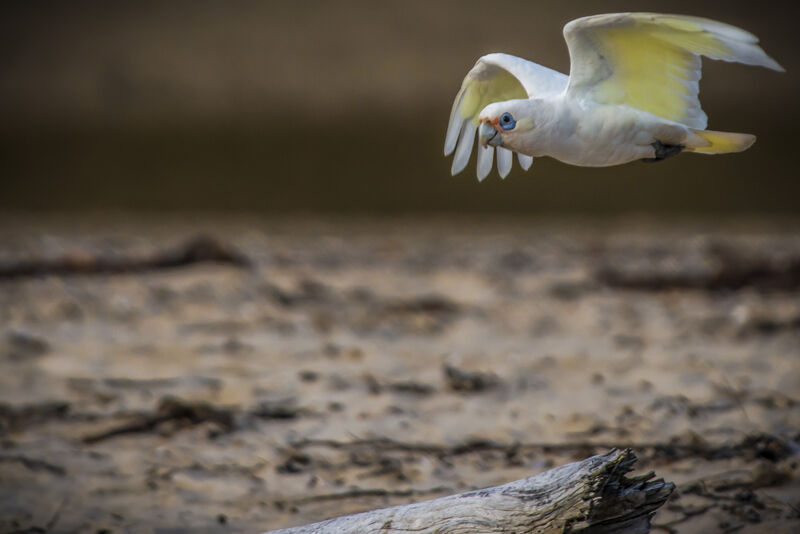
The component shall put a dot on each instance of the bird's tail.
(711, 142)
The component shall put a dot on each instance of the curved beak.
(488, 135)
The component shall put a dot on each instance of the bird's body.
(631, 95)
(597, 135)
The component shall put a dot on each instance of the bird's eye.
(507, 122)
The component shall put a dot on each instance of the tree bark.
(590, 497)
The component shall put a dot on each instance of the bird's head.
(506, 124)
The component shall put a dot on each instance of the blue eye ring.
(507, 121)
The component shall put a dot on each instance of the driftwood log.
(591, 497)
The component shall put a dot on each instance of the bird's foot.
(664, 151)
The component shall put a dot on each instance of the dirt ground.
(320, 367)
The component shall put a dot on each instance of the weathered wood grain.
(592, 497)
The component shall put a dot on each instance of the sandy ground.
(360, 363)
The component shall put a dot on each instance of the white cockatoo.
(631, 94)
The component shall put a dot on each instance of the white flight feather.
(466, 140)
(525, 161)
(504, 159)
(485, 157)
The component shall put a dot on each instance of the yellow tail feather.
(712, 142)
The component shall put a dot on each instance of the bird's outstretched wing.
(651, 61)
(494, 78)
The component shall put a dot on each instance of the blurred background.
(239, 289)
(321, 106)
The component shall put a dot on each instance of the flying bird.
(631, 94)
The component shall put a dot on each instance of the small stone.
(20, 345)
(309, 376)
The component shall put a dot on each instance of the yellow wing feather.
(494, 78)
(484, 84)
(480, 93)
(652, 62)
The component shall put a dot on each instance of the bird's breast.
(598, 136)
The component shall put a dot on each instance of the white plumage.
(632, 94)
